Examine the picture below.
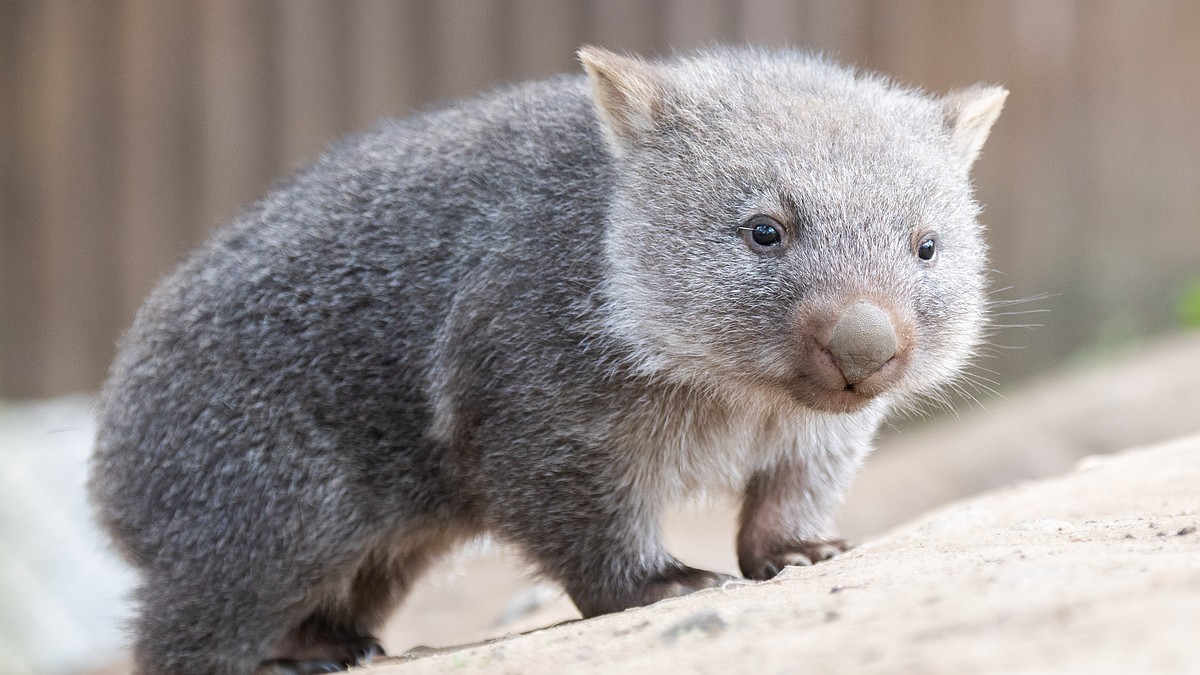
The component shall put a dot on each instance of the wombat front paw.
(801, 553)
(672, 582)
(683, 581)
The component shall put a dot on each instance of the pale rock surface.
(1040, 430)
(1096, 571)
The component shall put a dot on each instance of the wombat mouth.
(813, 393)
(833, 401)
(846, 355)
(818, 384)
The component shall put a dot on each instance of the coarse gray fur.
(533, 314)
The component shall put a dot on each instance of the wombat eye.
(927, 248)
(762, 233)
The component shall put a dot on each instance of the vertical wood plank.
(314, 104)
(1178, 78)
(1116, 130)
(1028, 48)
(19, 297)
(940, 43)
(469, 51)
(1168, 161)
(700, 23)
(237, 153)
(839, 29)
(159, 186)
(631, 26)
(546, 34)
(71, 122)
(129, 129)
(902, 38)
(772, 23)
(1135, 165)
(1041, 112)
(387, 42)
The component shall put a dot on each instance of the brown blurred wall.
(130, 129)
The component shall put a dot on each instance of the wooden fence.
(129, 129)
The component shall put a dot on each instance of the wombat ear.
(627, 91)
(969, 115)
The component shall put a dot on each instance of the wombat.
(544, 313)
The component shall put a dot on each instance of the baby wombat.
(545, 313)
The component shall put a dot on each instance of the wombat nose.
(863, 340)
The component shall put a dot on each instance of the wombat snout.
(863, 339)
(852, 353)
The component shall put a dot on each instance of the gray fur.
(533, 314)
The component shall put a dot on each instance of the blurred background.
(130, 129)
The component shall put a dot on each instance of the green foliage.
(1187, 307)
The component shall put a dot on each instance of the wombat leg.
(319, 646)
(338, 635)
(674, 580)
(784, 522)
(601, 541)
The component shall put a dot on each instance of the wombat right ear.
(970, 114)
(627, 92)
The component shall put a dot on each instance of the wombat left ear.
(627, 92)
(969, 115)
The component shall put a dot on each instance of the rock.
(1096, 571)
(1039, 430)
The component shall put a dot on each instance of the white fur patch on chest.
(680, 447)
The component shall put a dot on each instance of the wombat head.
(781, 222)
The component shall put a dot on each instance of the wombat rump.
(545, 314)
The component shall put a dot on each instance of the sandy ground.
(1097, 571)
